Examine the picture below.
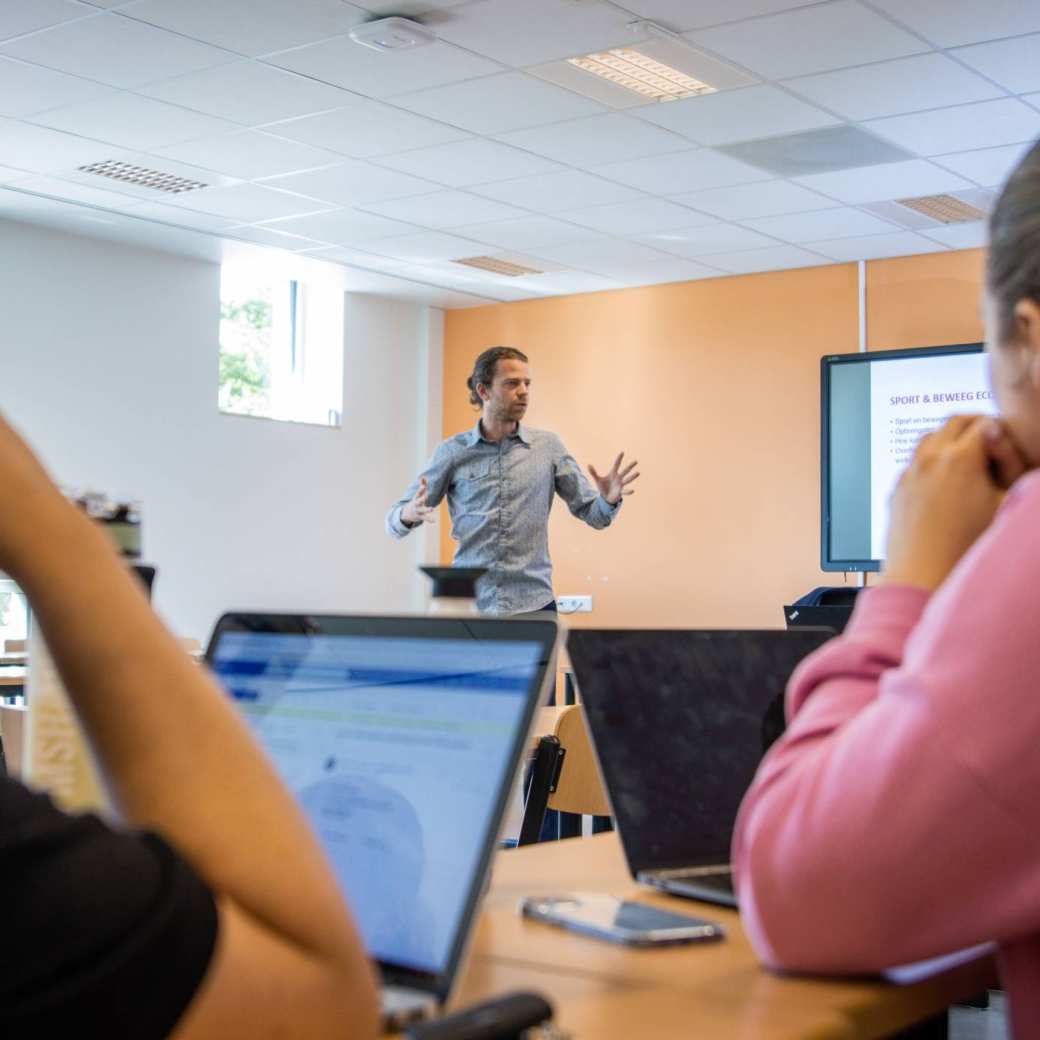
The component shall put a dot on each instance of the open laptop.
(680, 721)
(400, 737)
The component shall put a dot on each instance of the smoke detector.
(392, 34)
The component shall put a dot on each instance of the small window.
(281, 348)
(14, 614)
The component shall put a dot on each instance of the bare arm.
(178, 760)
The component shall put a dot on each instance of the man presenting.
(499, 479)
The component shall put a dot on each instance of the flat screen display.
(397, 748)
(876, 406)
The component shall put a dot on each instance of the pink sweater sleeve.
(896, 820)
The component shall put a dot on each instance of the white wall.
(108, 364)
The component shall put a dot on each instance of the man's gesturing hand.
(417, 511)
(612, 485)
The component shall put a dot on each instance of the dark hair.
(1013, 261)
(484, 369)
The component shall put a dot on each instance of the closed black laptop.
(680, 720)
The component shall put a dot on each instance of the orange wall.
(924, 301)
(714, 387)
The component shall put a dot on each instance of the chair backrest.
(580, 789)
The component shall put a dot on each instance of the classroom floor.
(975, 1024)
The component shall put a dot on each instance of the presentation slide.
(396, 749)
(910, 397)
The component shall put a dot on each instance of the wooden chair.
(564, 776)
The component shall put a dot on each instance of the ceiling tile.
(251, 26)
(711, 238)
(408, 8)
(246, 203)
(460, 164)
(902, 180)
(535, 31)
(268, 236)
(737, 115)
(365, 129)
(76, 192)
(949, 23)
(115, 50)
(555, 192)
(345, 227)
(681, 172)
(638, 217)
(608, 256)
(816, 151)
(662, 272)
(132, 121)
(961, 236)
(965, 127)
(353, 183)
(875, 247)
(45, 151)
(425, 247)
(764, 199)
(26, 16)
(1014, 64)
(27, 89)
(249, 93)
(810, 39)
(839, 222)
(988, 167)
(383, 74)
(893, 87)
(445, 209)
(497, 104)
(776, 258)
(9, 175)
(180, 216)
(611, 137)
(528, 233)
(559, 283)
(250, 154)
(680, 15)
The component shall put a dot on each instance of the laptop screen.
(399, 747)
(680, 720)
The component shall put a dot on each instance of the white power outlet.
(574, 604)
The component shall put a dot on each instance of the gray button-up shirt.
(499, 497)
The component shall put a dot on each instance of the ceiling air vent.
(947, 209)
(498, 266)
(142, 177)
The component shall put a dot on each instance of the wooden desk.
(719, 990)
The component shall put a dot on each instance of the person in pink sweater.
(898, 818)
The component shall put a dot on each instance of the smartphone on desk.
(621, 921)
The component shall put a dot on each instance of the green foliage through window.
(245, 355)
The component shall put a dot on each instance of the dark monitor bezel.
(544, 631)
(861, 357)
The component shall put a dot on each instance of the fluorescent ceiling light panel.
(662, 68)
(633, 70)
(947, 209)
(499, 265)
